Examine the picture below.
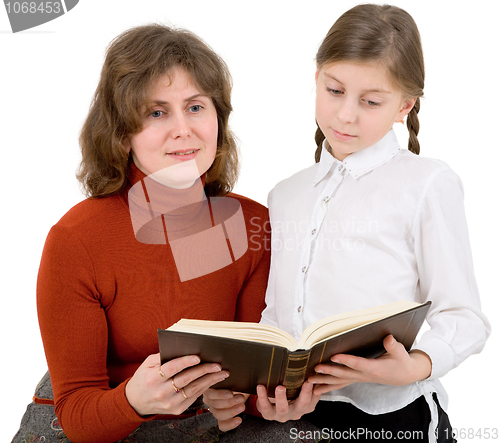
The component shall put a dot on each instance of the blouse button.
(304, 269)
(340, 168)
(299, 309)
(326, 198)
(313, 232)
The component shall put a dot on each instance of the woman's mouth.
(184, 155)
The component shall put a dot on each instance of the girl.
(105, 286)
(368, 224)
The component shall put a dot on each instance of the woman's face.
(356, 105)
(180, 125)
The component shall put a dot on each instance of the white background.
(47, 78)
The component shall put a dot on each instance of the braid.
(413, 127)
(318, 137)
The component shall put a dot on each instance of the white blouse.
(381, 226)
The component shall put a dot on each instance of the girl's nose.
(347, 112)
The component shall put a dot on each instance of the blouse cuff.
(441, 356)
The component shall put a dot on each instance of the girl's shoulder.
(420, 170)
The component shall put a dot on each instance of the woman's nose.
(180, 125)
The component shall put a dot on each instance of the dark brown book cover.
(251, 363)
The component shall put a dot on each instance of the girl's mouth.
(342, 136)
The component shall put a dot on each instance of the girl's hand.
(283, 410)
(225, 405)
(149, 392)
(396, 367)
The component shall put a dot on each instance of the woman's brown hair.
(382, 34)
(134, 60)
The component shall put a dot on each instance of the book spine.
(295, 372)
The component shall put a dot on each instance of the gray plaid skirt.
(40, 424)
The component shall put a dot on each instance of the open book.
(255, 354)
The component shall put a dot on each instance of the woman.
(110, 276)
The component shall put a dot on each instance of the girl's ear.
(316, 75)
(405, 109)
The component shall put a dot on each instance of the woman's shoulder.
(249, 206)
(93, 213)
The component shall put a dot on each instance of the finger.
(346, 361)
(393, 347)
(322, 389)
(306, 394)
(225, 414)
(172, 367)
(281, 402)
(224, 400)
(264, 406)
(188, 375)
(212, 395)
(336, 371)
(199, 385)
(319, 379)
(305, 402)
(227, 425)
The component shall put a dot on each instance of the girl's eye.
(156, 114)
(334, 91)
(195, 108)
(371, 103)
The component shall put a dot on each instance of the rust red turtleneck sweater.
(102, 294)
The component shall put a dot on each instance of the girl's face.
(356, 105)
(179, 125)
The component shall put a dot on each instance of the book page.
(336, 324)
(237, 330)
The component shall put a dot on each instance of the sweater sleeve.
(251, 298)
(444, 260)
(75, 335)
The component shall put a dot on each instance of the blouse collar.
(361, 162)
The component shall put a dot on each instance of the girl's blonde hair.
(382, 34)
(134, 61)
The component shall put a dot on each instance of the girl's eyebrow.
(378, 90)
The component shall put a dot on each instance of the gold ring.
(183, 394)
(161, 373)
(176, 389)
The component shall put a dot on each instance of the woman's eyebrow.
(186, 100)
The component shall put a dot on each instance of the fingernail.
(216, 368)
(320, 371)
(195, 359)
(224, 375)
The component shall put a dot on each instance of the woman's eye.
(156, 114)
(195, 108)
(372, 103)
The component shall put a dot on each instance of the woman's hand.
(225, 405)
(396, 367)
(283, 410)
(171, 391)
